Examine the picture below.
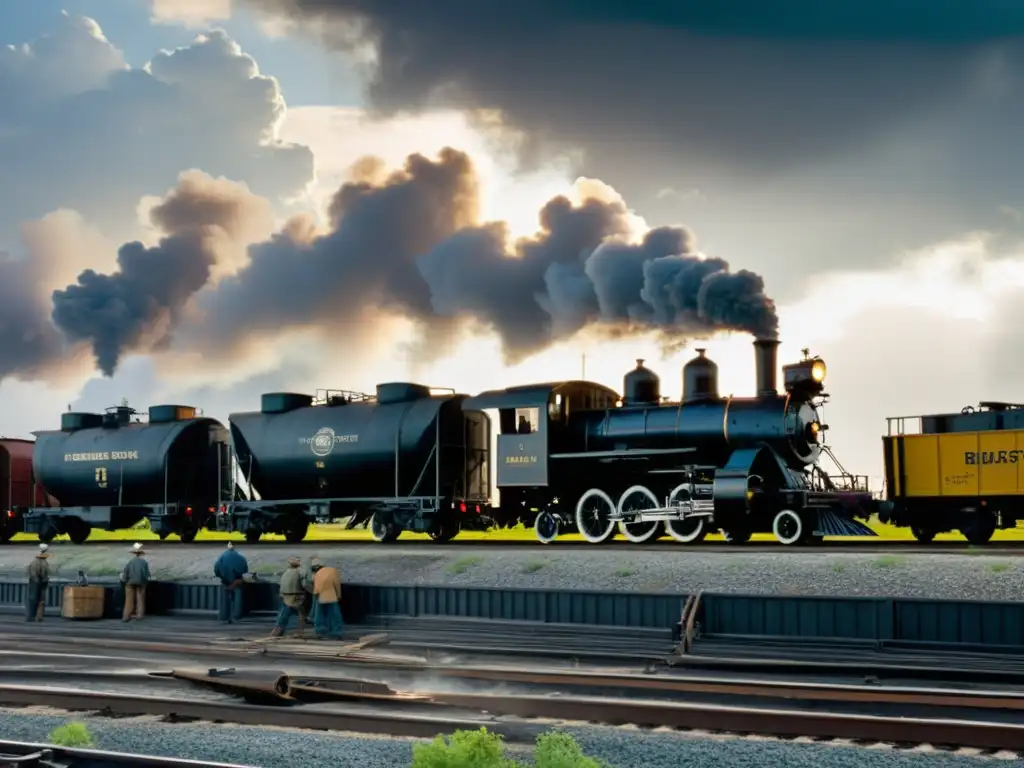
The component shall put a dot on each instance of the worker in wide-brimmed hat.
(135, 577)
(38, 583)
(327, 593)
(293, 594)
(230, 567)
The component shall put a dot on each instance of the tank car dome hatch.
(162, 414)
(700, 379)
(401, 392)
(72, 421)
(283, 402)
(641, 385)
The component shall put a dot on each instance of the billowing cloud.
(80, 130)
(410, 243)
(207, 223)
(190, 13)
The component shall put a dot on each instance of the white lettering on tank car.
(103, 456)
(323, 442)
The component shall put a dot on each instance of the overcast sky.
(855, 173)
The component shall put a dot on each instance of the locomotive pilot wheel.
(545, 527)
(636, 499)
(690, 530)
(788, 527)
(593, 516)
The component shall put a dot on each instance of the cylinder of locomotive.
(107, 466)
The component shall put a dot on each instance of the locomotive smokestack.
(765, 364)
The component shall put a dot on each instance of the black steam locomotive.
(573, 456)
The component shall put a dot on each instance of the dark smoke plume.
(409, 243)
(138, 307)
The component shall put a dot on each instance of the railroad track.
(350, 705)
(1003, 548)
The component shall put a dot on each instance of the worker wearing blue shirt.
(230, 568)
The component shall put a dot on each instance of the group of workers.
(315, 592)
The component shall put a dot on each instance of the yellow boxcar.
(956, 464)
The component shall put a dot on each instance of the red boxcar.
(17, 489)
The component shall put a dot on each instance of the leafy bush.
(482, 749)
(71, 735)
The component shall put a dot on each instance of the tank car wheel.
(789, 527)
(691, 530)
(296, 532)
(545, 527)
(78, 532)
(922, 534)
(445, 532)
(593, 516)
(251, 536)
(48, 533)
(385, 533)
(188, 536)
(636, 499)
(736, 535)
(980, 529)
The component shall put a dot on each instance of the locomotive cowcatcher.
(574, 456)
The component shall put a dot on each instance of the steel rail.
(770, 722)
(362, 720)
(30, 755)
(1013, 548)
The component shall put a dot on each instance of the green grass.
(625, 573)
(71, 735)
(889, 561)
(337, 532)
(463, 564)
(999, 567)
(533, 566)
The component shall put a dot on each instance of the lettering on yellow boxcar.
(103, 456)
(521, 459)
(973, 458)
(958, 480)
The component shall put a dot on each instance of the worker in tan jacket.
(327, 592)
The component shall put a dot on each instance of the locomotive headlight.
(818, 371)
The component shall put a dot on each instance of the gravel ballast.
(817, 572)
(620, 747)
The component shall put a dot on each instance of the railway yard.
(156, 687)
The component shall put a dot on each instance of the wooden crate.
(83, 602)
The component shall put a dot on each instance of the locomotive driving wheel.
(593, 516)
(690, 530)
(637, 499)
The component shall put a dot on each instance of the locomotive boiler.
(744, 465)
(112, 470)
(406, 459)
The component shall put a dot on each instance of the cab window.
(527, 420)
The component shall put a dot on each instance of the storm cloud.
(819, 135)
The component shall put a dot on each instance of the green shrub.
(463, 749)
(560, 750)
(71, 735)
(482, 749)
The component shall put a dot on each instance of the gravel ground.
(840, 572)
(620, 747)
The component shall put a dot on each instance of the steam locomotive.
(571, 455)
